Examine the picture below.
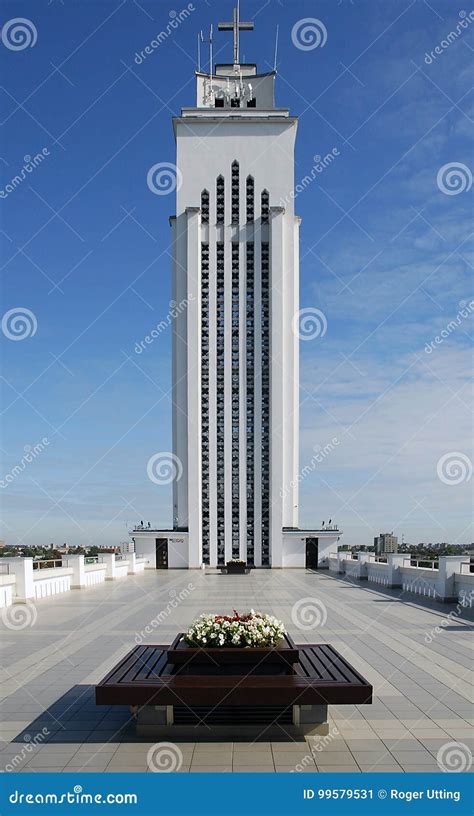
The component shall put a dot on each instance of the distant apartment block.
(386, 543)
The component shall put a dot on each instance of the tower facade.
(235, 356)
(235, 350)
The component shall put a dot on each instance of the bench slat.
(117, 673)
(149, 664)
(314, 666)
(145, 677)
(347, 672)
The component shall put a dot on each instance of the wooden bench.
(210, 701)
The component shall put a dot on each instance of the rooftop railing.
(4, 569)
(53, 563)
(421, 563)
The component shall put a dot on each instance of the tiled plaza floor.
(422, 680)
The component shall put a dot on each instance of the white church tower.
(235, 354)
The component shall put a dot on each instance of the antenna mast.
(276, 48)
(210, 52)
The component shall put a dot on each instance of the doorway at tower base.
(300, 549)
(309, 548)
(163, 549)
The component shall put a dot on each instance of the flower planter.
(236, 568)
(285, 653)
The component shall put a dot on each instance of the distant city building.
(385, 543)
(62, 548)
(127, 547)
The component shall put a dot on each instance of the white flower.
(257, 630)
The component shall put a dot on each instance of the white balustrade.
(448, 579)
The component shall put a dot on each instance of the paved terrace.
(422, 691)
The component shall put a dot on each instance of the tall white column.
(291, 509)
(212, 394)
(194, 385)
(228, 375)
(181, 360)
(277, 420)
(242, 383)
(258, 392)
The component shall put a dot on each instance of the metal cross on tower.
(236, 26)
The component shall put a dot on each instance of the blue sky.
(386, 254)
